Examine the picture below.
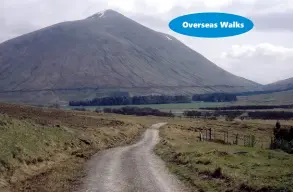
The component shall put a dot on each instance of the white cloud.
(263, 62)
(263, 50)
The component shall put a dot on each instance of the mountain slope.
(273, 98)
(108, 50)
(282, 85)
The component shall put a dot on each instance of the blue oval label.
(211, 25)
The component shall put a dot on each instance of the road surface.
(133, 168)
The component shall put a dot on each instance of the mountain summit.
(108, 51)
(104, 14)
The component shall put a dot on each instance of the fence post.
(247, 141)
(200, 136)
(206, 134)
(272, 145)
(227, 137)
(224, 136)
(210, 133)
(252, 141)
(236, 139)
(214, 134)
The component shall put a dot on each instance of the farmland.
(212, 166)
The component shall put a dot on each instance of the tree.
(278, 125)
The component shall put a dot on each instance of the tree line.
(248, 107)
(215, 97)
(230, 115)
(284, 115)
(136, 100)
(138, 111)
(154, 99)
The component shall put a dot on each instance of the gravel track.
(133, 168)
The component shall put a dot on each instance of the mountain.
(282, 85)
(103, 53)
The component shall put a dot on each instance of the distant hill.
(105, 53)
(282, 85)
(274, 98)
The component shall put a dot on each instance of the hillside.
(282, 85)
(45, 149)
(102, 53)
(275, 98)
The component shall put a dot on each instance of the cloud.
(263, 62)
(19, 17)
(263, 50)
(269, 15)
(274, 21)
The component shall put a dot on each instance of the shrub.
(138, 111)
(217, 173)
(285, 115)
(79, 109)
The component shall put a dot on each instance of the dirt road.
(132, 168)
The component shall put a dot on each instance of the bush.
(285, 115)
(98, 110)
(138, 111)
(249, 107)
(55, 106)
(283, 145)
(107, 110)
(230, 115)
(283, 138)
(217, 173)
(192, 113)
(79, 109)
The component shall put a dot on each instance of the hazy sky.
(264, 55)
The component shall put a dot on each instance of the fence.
(227, 137)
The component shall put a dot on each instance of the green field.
(209, 166)
(173, 106)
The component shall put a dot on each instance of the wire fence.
(226, 137)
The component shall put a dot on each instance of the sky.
(264, 54)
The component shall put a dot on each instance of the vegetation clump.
(283, 138)
(138, 111)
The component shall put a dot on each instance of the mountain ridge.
(109, 50)
(282, 85)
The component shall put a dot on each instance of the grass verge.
(44, 149)
(207, 166)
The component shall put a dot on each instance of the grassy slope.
(44, 149)
(277, 98)
(195, 162)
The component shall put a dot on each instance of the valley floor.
(45, 150)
